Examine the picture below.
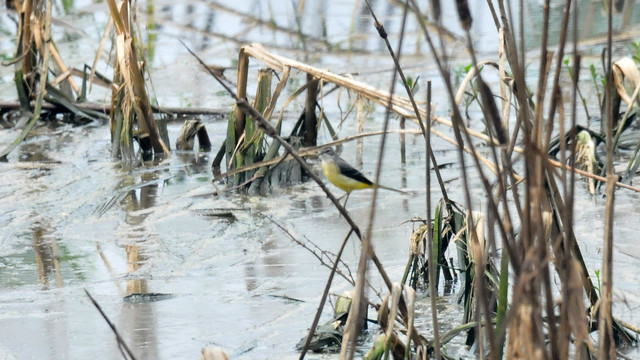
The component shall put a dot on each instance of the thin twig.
(323, 299)
(119, 338)
(320, 257)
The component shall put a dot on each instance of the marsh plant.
(525, 288)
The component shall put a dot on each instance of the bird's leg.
(346, 196)
(345, 200)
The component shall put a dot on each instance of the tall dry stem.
(130, 101)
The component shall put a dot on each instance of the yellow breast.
(332, 173)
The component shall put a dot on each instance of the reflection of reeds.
(130, 103)
(47, 256)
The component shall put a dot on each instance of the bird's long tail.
(391, 189)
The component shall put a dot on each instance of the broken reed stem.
(360, 116)
(555, 90)
(606, 341)
(310, 120)
(543, 71)
(432, 262)
(133, 103)
(494, 124)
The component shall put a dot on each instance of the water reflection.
(46, 255)
(140, 322)
(138, 319)
(199, 162)
(134, 204)
(592, 18)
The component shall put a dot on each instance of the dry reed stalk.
(243, 73)
(103, 40)
(432, 259)
(606, 345)
(63, 68)
(37, 52)
(310, 120)
(360, 116)
(26, 75)
(130, 100)
(400, 105)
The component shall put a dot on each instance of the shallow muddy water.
(234, 278)
(219, 270)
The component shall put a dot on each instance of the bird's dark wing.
(350, 171)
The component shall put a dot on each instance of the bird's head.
(327, 153)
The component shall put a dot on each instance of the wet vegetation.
(523, 145)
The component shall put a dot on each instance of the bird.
(345, 176)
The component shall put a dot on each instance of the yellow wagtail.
(345, 176)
